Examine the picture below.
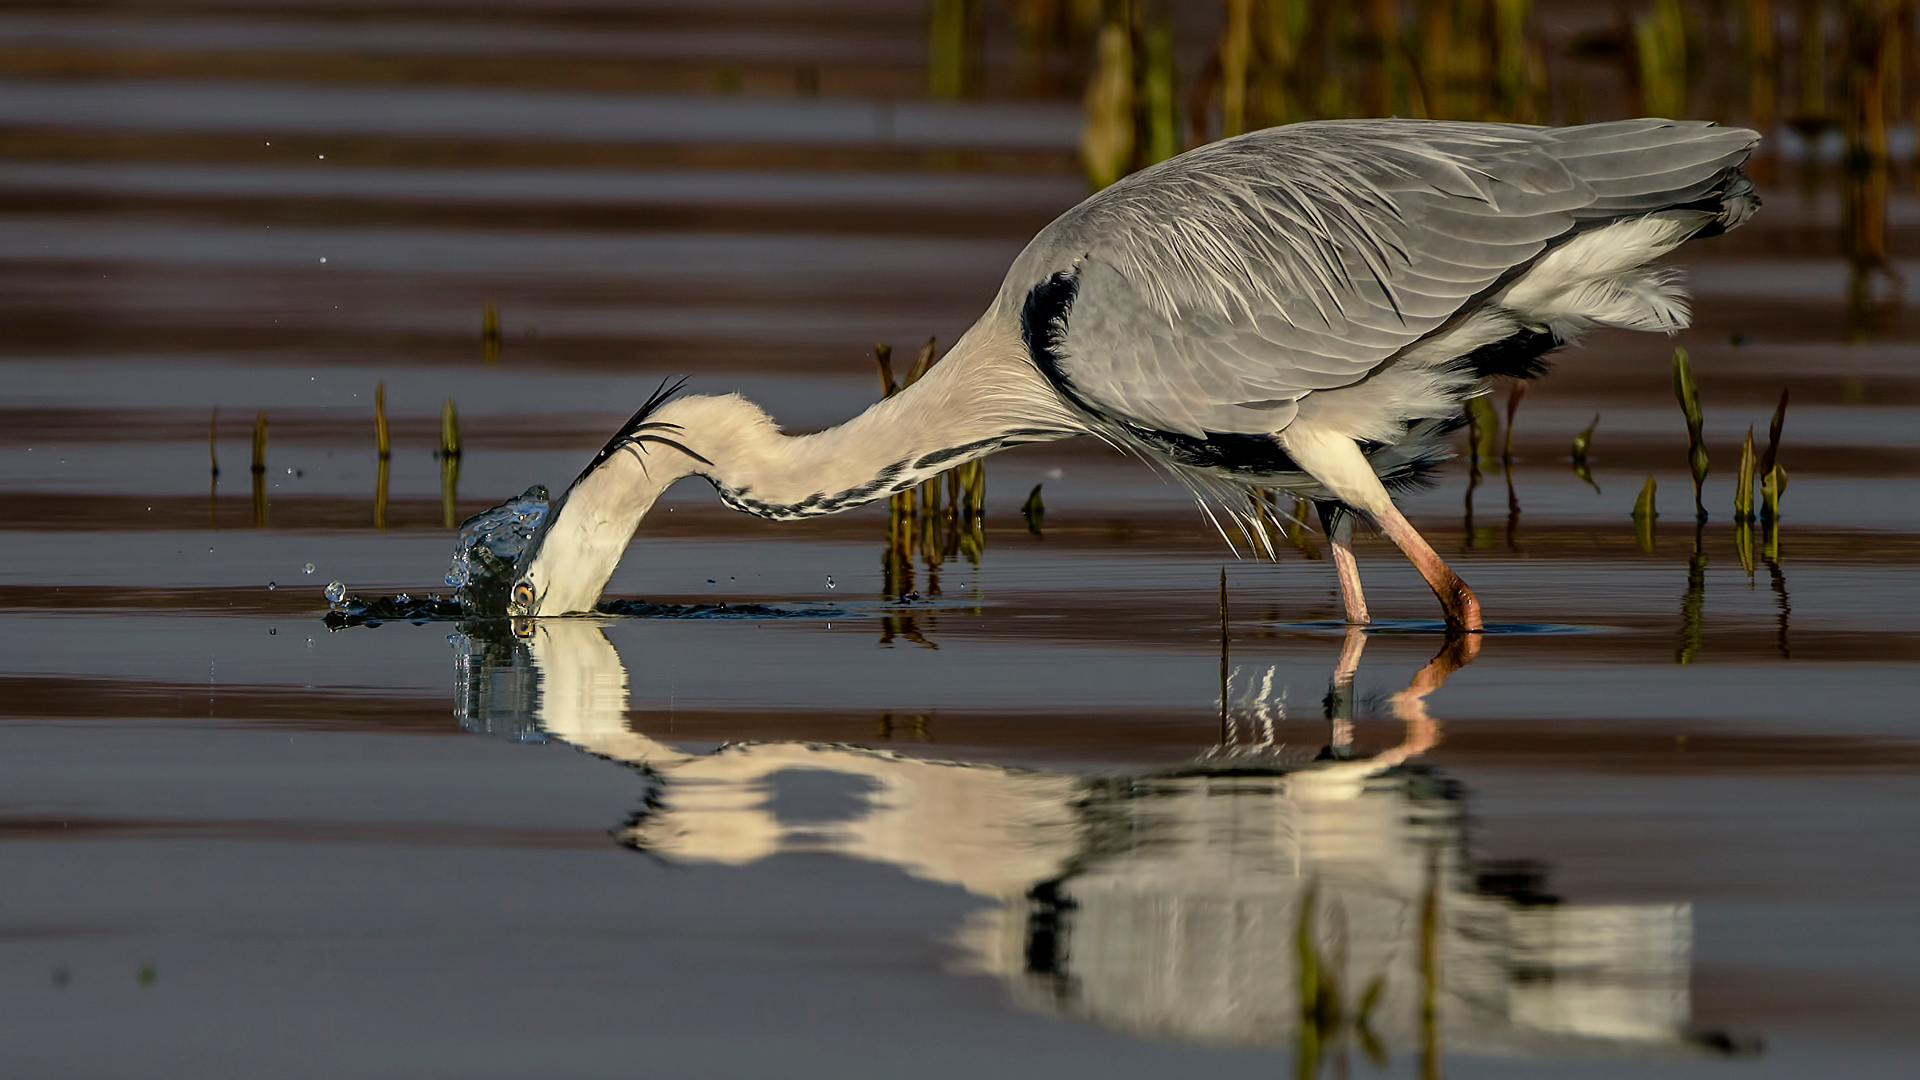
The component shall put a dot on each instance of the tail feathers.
(1644, 298)
(1600, 278)
(1641, 166)
(1738, 202)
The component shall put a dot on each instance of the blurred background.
(290, 287)
(753, 192)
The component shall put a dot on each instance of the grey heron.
(1301, 309)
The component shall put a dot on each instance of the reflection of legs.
(1337, 522)
(1410, 705)
(1340, 695)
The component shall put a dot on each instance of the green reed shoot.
(1772, 486)
(1236, 59)
(1296, 530)
(1511, 56)
(1773, 479)
(1582, 444)
(952, 29)
(449, 490)
(1159, 96)
(1774, 428)
(380, 440)
(1660, 38)
(1483, 431)
(1763, 65)
(213, 434)
(260, 442)
(929, 353)
(1644, 514)
(1688, 393)
(1034, 511)
(489, 333)
(1326, 1020)
(883, 358)
(380, 494)
(1743, 482)
(449, 431)
(1107, 137)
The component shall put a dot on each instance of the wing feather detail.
(1220, 285)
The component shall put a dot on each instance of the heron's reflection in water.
(1257, 896)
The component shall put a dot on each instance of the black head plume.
(639, 429)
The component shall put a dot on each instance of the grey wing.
(1213, 291)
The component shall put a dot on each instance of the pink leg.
(1339, 530)
(1461, 606)
(1337, 462)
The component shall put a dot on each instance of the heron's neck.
(970, 404)
(967, 406)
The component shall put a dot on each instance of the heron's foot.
(1462, 608)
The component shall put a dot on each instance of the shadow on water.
(1269, 893)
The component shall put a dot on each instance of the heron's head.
(570, 558)
(573, 555)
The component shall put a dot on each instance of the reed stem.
(883, 358)
(1034, 511)
(1688, 393)
(260, 442)
(380, 441)
(1743, 483)
(449, 431)
(1644, 514)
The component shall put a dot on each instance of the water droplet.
(307, 569)
(829, 581)
(336, 592)
(272, 586)
(323, 258)
(273, 630)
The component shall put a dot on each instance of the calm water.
(1664, 827)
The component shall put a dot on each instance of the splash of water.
(484, 566)
(489, 550)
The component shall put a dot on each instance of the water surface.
(1005, 825)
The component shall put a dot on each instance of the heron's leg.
(1337, 522)
(1459, 603)
(1337, 462)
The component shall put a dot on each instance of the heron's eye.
(523, 596)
